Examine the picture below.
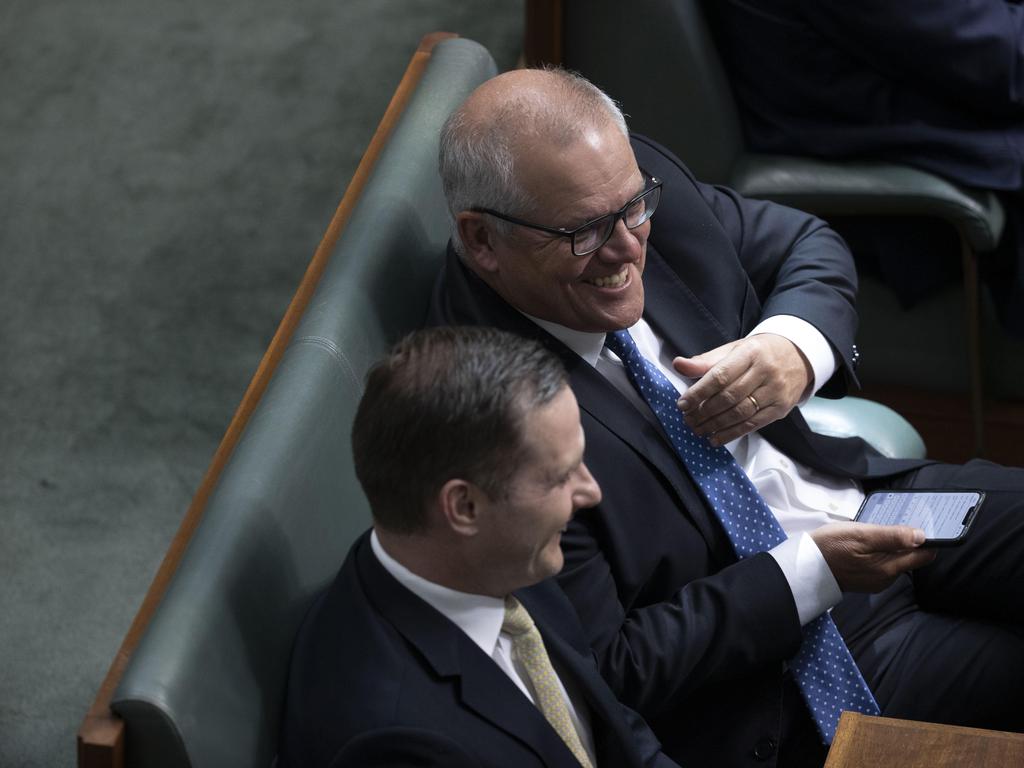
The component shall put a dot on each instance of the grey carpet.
(166, 171)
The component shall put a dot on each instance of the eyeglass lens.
(592, 237)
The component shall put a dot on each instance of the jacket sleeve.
(654, 655)
(796, 264)
(646, 742)
(970, 51)
(662, 611)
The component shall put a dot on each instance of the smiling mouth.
(612, 281)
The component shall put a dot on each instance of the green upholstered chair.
(200, 680)
(658, 59)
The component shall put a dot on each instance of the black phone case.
(936, 542)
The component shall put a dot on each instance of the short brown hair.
(447, 403)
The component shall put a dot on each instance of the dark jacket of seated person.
(413, 656)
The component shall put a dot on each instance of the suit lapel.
(463, 298)
(680, 318)
(612, 738)
(605, 404)
(487, 690)
(479, 682)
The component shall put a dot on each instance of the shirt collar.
(585, 344)
(479, 616)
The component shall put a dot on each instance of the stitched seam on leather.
(334, 351)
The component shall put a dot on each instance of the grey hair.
(477, 154)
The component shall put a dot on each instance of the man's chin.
(622, 313)
(618, 321)
(552, 564)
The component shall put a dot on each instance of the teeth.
(612, 281)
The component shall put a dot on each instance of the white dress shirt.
(801, 498)
(481, 617)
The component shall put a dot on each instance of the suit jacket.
(380, 678)
(685, 634)
(933, 83)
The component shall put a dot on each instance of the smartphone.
(944, 516)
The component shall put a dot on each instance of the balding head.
(503, 118)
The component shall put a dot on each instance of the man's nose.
(624, 244)
(588, 494)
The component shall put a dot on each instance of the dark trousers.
(946, 643)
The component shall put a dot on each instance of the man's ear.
(477, 237)
(461, 505)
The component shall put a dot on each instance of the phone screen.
(942, 515)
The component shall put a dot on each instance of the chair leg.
(973, 306)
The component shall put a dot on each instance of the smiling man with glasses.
(716, 574)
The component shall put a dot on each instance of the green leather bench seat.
(205, 686)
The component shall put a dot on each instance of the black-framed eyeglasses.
(591, 235)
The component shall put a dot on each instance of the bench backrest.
(205, 686)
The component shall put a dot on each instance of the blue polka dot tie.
(823, 668)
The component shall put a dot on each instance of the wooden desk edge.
(856, 729)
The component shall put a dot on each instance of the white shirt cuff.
(808, 340)
(815, 589)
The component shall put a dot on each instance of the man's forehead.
(515, 84)
(598, 158)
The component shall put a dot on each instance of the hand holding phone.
(944, 516)
(868, 558)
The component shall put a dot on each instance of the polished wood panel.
(101, 735)
(945, 422)
(542, 33)
(867, 742)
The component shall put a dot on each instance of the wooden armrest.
(101, 738)
(863, 741)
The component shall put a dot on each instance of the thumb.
(692, 367)
(896, 537)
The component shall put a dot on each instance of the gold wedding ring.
(753, 402)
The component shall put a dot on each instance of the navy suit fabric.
(932, 83)
(380, 678)
(691, 638)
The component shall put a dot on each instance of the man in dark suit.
(442, 642)
(933, 83)
(747, 308)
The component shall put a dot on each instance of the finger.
(696, 366)
(736, 431)
(890, 538)
(760, 415)
(737, 402)
(691, 367)
(713, 382)
(908, 561)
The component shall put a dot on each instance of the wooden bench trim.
(865, 742)
(100, 740)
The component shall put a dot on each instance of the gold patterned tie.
(528, 647)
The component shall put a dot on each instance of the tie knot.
(620, 342)
(517, 619)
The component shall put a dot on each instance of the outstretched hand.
(868, 558)
(743, 385)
